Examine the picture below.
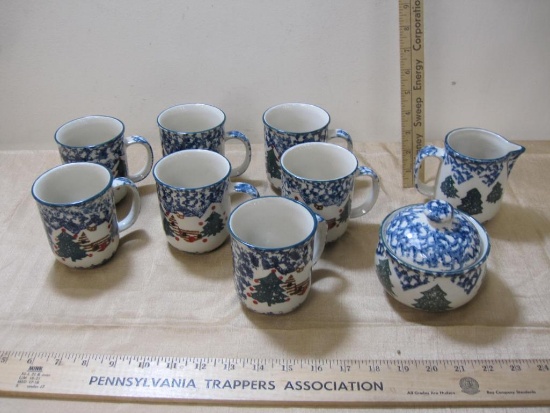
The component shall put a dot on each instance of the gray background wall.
(487, 64)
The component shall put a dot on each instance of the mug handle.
(244, 188)
(139, 140)
(342, 134)
(320, 239)
(425, 152)
(372, 194)
(235, 134)
(132, 215)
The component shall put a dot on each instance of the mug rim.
(234, 236)
(286, 132)
(108, 141)
(183, 153)
(179, 132)
(72, 165)
(319, 144)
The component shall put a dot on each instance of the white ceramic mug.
(194, 190)
(77, 207)
(275, 242)
(100, 139)
(322, 176)
(290, 124)
(199, 126)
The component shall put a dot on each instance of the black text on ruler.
(275, 382)
(411, 47)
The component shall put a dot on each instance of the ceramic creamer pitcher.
(475, 165)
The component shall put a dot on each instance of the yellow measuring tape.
(411, 48)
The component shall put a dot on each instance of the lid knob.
(438, 211)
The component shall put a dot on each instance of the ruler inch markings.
(411, 51)
(338, 382)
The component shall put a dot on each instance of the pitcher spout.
(514, 153)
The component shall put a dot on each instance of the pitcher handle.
(425, 152)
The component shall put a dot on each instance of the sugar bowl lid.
(432, 236)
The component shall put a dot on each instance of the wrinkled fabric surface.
(151, 299)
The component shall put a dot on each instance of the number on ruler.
(411, 43)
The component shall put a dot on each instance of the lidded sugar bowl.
(431, 256)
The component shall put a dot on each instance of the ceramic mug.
(290, 124)
(77, 207)
(199, 126)
(275, 242)
(322, 176)
(194, 190)
(474, 167)
(100, 139)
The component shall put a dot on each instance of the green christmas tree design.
(448, 187)
(345, 212)
(495, 194)
(66, 247)
(119, 168)
(472, 203)
(269, 290)
(433, 300)
(384, 272)
(272, 168)
(166, 225)
(214, 225)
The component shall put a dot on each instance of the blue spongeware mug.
(275, 242)
(322, 176)
(100, 139)
(290, 124)
(199, 126)
(77, 207)
(194, 191)
(473, 171)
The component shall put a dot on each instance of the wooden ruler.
(411, 51)
(285, 382)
